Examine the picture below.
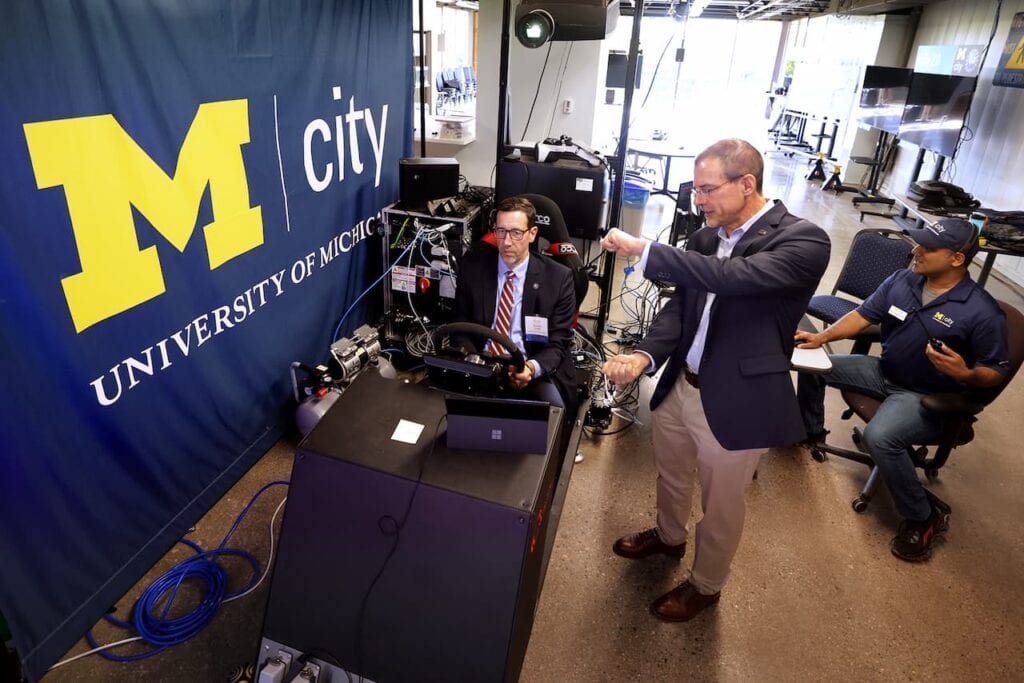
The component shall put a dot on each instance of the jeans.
(900, 422)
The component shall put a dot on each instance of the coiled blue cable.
(204, 567)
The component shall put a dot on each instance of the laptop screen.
(494, 424)
(507, 408)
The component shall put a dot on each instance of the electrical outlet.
(568, 106)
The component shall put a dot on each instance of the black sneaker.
(913, 542)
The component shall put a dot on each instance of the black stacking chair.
(958, 410)
(875, 254)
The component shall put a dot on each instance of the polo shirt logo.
(942, 318)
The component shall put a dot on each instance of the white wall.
(990, 165)
(580, 60)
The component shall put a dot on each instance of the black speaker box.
(409, 562)
(422, 179)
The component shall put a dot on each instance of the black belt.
(691, 378)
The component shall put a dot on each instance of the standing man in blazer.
(725, 339)
(542, 309)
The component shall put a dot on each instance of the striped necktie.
(503, 320)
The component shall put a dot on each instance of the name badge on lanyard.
(536, 329)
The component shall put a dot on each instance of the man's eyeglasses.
(515, 233)
(706, 191)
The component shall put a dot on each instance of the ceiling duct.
(733, 9)
(783, 9)
(876, 6)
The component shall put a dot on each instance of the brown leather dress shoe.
(645, 543)
(682, 603)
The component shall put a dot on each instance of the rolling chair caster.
(860, 504)
(818, 455)
(579, 457)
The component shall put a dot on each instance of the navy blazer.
(548, 292)
(762, 291)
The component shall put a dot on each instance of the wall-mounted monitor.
(935, 112)
(883, 95)
(616, 75)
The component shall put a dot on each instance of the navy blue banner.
(188, 188)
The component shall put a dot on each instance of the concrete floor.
(814, 592)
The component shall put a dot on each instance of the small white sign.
(407, 432)
(585, 184)
(403, 279)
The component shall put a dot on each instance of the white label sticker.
(447, 289)
(407, 432)
(585, 184)
(897, 313)
(403, 279)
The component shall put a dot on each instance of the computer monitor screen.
(935, 112)
(883, 96)
(616, 76)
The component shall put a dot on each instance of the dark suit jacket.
(547, 292)
(761, 293)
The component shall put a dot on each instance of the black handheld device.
(932, 341)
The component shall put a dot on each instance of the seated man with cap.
(940, 333)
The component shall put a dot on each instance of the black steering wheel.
(515, 359)
(462, 372)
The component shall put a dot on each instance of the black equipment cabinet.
(404, 297)
(579, 190)
(409, 561)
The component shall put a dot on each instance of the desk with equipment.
(402, 558)
(911, 216)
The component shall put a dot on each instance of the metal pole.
(618, 167)
(423, 88)
(502, 89)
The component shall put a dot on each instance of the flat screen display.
(883, 95)
(935, 112)
(616, 75)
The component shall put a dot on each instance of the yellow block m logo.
(104, 173)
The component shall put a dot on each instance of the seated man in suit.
(528, 297)
(940, 333)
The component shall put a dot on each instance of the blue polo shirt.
(966, 318)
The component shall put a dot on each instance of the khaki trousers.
(683, 442)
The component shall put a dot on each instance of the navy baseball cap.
(955, 234)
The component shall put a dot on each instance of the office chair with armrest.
(874, 255)
(958, 410)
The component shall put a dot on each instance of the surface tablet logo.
(105, 173)
(496, 435)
